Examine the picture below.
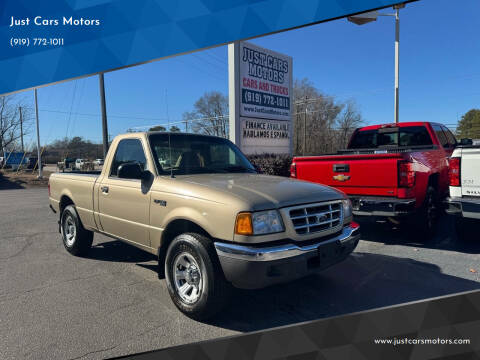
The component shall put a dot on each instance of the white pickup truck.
(464, 200)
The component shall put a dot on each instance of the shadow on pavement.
(7, 184)
(118, 251)
(363, 281)
(381, 231)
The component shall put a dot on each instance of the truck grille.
(315, 218)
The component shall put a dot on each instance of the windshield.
(390, 137)
(197, 154)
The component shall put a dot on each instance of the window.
(440, 135)
(388, 137)
(195, 154)
(450, 137)
(128, 150)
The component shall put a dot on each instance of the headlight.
(347, 208)
(259, 223)
(266, 222)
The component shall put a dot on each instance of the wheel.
(194, 277)
(425, 220)
(76, 239)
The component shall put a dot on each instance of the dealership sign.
(263, 136)
(260, 90)
(265, 83)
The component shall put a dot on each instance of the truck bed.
(80, 183)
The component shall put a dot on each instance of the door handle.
(104, 189)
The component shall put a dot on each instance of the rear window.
(391, 137)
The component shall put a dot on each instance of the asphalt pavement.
(111, 303)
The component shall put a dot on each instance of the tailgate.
(470, 172)
(372, 174)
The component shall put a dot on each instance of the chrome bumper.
(465, 207)
(252, 267)
(279, 252)
(382, 206)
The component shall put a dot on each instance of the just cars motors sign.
(260, 91)
(265, 83)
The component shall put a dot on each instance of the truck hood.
(264, 191)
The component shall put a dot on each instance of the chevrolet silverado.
(212, 220)
(397, 171)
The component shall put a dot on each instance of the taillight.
(49, 188)
(454, 171)
(293, 170)
(406, 174)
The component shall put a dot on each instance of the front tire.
(194, 277)
(76, 239)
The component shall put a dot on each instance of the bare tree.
(347, 122)
(314, 119)
(10, 122)
(210, 115)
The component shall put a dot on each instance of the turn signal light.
(243, 224)
(454, 171)
(406, 174)
(293, 170)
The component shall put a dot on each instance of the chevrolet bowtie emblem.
(341, 177)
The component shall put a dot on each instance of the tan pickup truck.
(213, 221)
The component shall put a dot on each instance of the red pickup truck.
(398, 171)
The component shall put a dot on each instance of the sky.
(439, 74)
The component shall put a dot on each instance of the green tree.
(174, 129)
(469, 125)
(158, 128)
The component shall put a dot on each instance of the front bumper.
(465, 207)
(382, 206)
(250, 267)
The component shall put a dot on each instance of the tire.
(425, 220)
(191, 262)
(76, 239)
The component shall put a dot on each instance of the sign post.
(260, 94)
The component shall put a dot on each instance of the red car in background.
(398, 171)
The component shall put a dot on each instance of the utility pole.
(186, 125)
(305, 127)
(21, 128)
(104, 115)
(39, 153)
(397, 60)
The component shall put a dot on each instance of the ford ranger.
(464, 200)
(397, 171)
(212, 220)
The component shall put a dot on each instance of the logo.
(322, 218)
(341, 177)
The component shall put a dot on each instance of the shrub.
(272, 164)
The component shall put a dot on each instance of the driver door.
(123, 208)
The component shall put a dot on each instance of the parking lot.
(57, 306)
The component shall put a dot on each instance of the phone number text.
(25, 42)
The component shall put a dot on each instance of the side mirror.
(132, 171)
(466, 142)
